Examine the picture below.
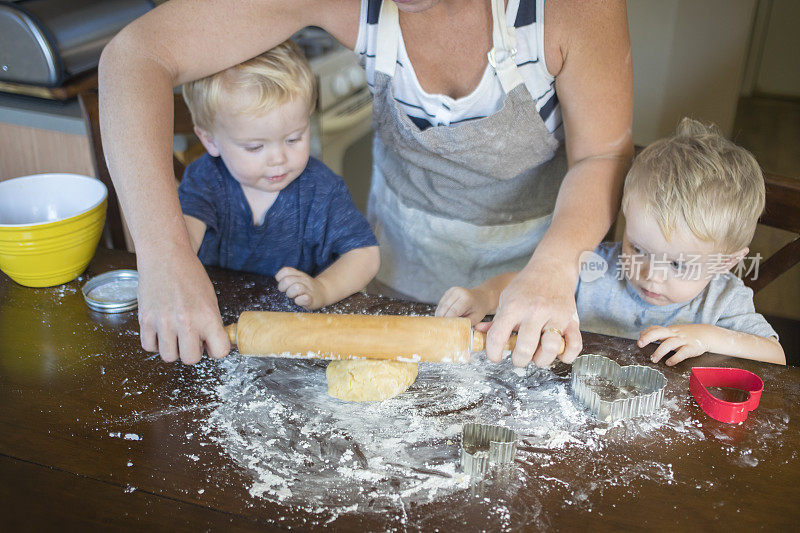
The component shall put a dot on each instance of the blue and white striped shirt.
(427, 110)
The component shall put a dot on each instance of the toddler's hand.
(458, 301)
(305, 290)
(688, 340)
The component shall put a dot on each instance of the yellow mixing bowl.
(50, 225)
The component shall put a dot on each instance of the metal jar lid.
(114, 291)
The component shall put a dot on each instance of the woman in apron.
(452, 203)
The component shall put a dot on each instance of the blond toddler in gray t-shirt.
(691, 205)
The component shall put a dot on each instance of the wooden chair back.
(782, 211)
(114, 232)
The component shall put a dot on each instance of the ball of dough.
(367, 380)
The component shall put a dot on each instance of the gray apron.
(456, 205)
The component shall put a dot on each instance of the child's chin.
(270, 185)
(651, 298)
(278, 184)
(659, 301)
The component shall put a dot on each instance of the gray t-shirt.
(609, 305)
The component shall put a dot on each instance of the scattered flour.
(400, 458)
(303, 448)
(126, 436)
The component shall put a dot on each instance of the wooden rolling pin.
(323, 336)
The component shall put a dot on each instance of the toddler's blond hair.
(702, 178)
(277, 76)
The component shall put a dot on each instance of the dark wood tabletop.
(79, 447)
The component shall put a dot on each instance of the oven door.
(347, 143)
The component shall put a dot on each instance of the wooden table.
(63, 370)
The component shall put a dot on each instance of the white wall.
(688, 60)
(779, 65)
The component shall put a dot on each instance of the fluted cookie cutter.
(484, 445)
(613, 392)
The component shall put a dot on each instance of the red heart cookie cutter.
(730, 412)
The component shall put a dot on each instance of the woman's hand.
(305, 290)
(539, 303)
(461, 302)
(178, 310)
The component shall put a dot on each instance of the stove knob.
(357, 76)
(340, 85)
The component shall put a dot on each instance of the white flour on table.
(304, 448)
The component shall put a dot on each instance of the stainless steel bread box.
(47, 42)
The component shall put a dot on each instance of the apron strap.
(388, 37)
(502, 55)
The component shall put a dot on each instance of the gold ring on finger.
(554, 330)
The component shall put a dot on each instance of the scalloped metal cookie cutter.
(639, 389)
(484, 445)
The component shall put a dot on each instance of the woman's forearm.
(136, 123)
(179, 41)
(590, 56)
(587, 205)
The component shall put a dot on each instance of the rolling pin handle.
(479, 342)
(231, 329)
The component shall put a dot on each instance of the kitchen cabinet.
(38, 136)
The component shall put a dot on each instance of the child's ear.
(208, 141)
(733, 259)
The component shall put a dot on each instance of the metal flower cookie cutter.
(484, 445)
(613, 392)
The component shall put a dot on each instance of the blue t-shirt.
(312, 222)
(608, 304)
